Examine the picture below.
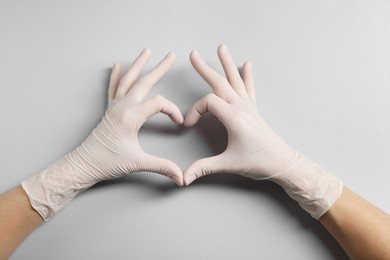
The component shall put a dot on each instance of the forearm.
(360, 228)
(17, 220)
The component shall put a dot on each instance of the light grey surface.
(322, 71)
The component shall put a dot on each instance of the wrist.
(53, 187)
(275, 158)
(311, 186)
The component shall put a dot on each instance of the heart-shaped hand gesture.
(112, 150)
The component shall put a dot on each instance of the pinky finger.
(247, 77)
(114, 81)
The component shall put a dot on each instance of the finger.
(114, 81)
(205, 166)
(143, 85)
(210, 103)
(217, 82)
(231, 71)
(163, 166)
(131, 75)
(159, 104)
(247, 76)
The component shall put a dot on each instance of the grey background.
(322, 72)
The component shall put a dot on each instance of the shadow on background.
(215, 135)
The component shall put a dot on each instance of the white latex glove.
(112, 149)
(253, 149)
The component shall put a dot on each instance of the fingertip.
(175, 114)
(115, 67)
(187, 123)
(196, 60)
(178, 118)
(189, 179)
(146, 51)
(194, 54)
(170, 58)
(189, 120)
(189, 174)
(222, 48)
(177, 180)
(170, 54)
(172, 171)
(181, 120)
(248, 64)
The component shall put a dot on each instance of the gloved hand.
(112, 149)
(253, 149)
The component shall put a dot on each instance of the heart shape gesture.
(112, 150)
(253, 150)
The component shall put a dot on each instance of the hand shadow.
(215, 134)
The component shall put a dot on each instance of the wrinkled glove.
(112, 149)
(253, 149)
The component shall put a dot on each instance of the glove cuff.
(312, 187)
(52, 188)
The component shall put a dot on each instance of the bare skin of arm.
(17, 220)
(362, 230)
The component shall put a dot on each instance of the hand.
(253, 149)
(112, 150)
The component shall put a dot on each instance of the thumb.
(202, 167)
(164, 167)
